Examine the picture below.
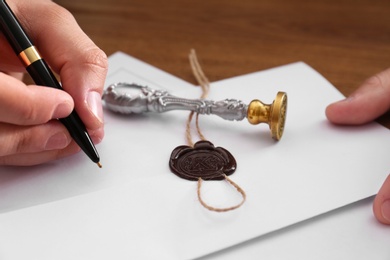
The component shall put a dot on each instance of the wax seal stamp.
(274, 114)
(140, 99)
(204, 161)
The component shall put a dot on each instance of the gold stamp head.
(274, 114)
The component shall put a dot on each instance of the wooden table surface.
(346, 41)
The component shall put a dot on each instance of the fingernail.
(57, 141)
(95, 105)
(386, 210)
(347, 99)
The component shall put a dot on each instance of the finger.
(96, 135)
(8, 58)
(31, 105)
(16, 75)
(30, 139)
(30, 159)
(382, 203)
(368, 102)
(80, 63)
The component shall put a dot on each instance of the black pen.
(43, 76)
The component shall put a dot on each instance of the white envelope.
(136, 208)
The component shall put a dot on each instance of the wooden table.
(347, 41)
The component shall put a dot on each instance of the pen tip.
(99, 164)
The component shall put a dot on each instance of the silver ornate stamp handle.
(151, 100)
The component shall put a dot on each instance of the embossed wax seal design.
(204, 160)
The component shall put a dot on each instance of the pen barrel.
(12, 30)
(42, 75)
(74, 124)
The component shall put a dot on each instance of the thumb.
(382, 203)
(369, 101)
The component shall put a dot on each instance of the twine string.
(205, 85)
(235, 185)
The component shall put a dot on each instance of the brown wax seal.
(204, 160)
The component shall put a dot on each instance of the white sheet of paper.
(350, 232)
(135, 203)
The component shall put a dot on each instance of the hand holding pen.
(29, 133)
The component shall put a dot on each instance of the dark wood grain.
(347, 41)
